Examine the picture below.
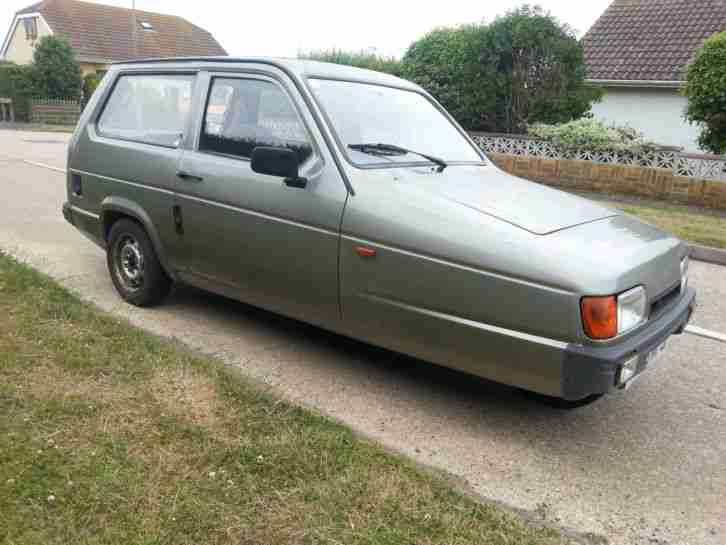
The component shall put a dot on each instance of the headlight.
(632, 308)
(608, 317)
(684, 273)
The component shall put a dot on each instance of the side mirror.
(282, 162)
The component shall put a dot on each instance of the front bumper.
(589, 370)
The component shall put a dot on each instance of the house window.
(31, 28)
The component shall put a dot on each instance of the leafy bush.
(541, 70)
(706, 92)
(16, 84)
(360, 59)
(90, 82)
(591, 135)
(452, 65)
(56, 73)
(523, 68)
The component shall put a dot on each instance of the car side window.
(242, 114)
(148, 108)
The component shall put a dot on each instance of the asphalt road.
(644, 467)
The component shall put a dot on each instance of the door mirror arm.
(278, 161)
(298, 182)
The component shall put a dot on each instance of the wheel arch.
(115, 208)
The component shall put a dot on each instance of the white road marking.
(706, 333)
(43, 165)
(34, 163)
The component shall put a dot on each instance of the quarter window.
(245, 113)
(152, 109)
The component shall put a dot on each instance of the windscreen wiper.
(384, 149)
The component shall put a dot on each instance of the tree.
(523, 68)
(541, 70)
(56, 74)
(706, 92)
(451, 64)
(360, 59)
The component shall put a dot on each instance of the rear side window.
(152, 109)
(242, 114)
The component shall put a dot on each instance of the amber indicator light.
(600, 317)
(365, 251)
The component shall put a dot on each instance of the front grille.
(661, 303)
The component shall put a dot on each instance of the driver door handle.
(189, 177)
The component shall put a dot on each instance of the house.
(101, 34)
(638, 52)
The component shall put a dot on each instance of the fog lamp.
(628, 370)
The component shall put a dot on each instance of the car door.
(128, 155)
(249, 235)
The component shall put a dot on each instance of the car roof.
(301, 68)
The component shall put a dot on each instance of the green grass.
(111, 435)
(693, 224)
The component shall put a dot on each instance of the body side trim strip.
(111, 179)
(259, 214)
(471, 323)
(214, 203)
(461, 266)
(85, 212)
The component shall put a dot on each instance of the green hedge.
(16, 84)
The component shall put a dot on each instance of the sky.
(282, 28)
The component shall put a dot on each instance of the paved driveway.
(645, 467)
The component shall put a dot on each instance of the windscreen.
(363, 113)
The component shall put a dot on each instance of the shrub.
(523, 68)
(541, 70)
(592, 135)
(56, 74)
(360, 59)
(451, 64)
(16, 83)
(706, 92)
(90, 82)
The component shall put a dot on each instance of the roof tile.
(650, 40)
(104, 33)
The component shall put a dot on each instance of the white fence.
(707, 167)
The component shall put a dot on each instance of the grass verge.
(111, 435)
(690, 223)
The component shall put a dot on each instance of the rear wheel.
(134, 267)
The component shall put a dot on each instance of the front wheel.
(135, 270)
(562, 404)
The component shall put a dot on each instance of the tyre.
(134, 267)
(562, 404)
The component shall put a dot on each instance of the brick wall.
(55, 111)
(655, 183)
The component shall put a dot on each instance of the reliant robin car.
(352, 200)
